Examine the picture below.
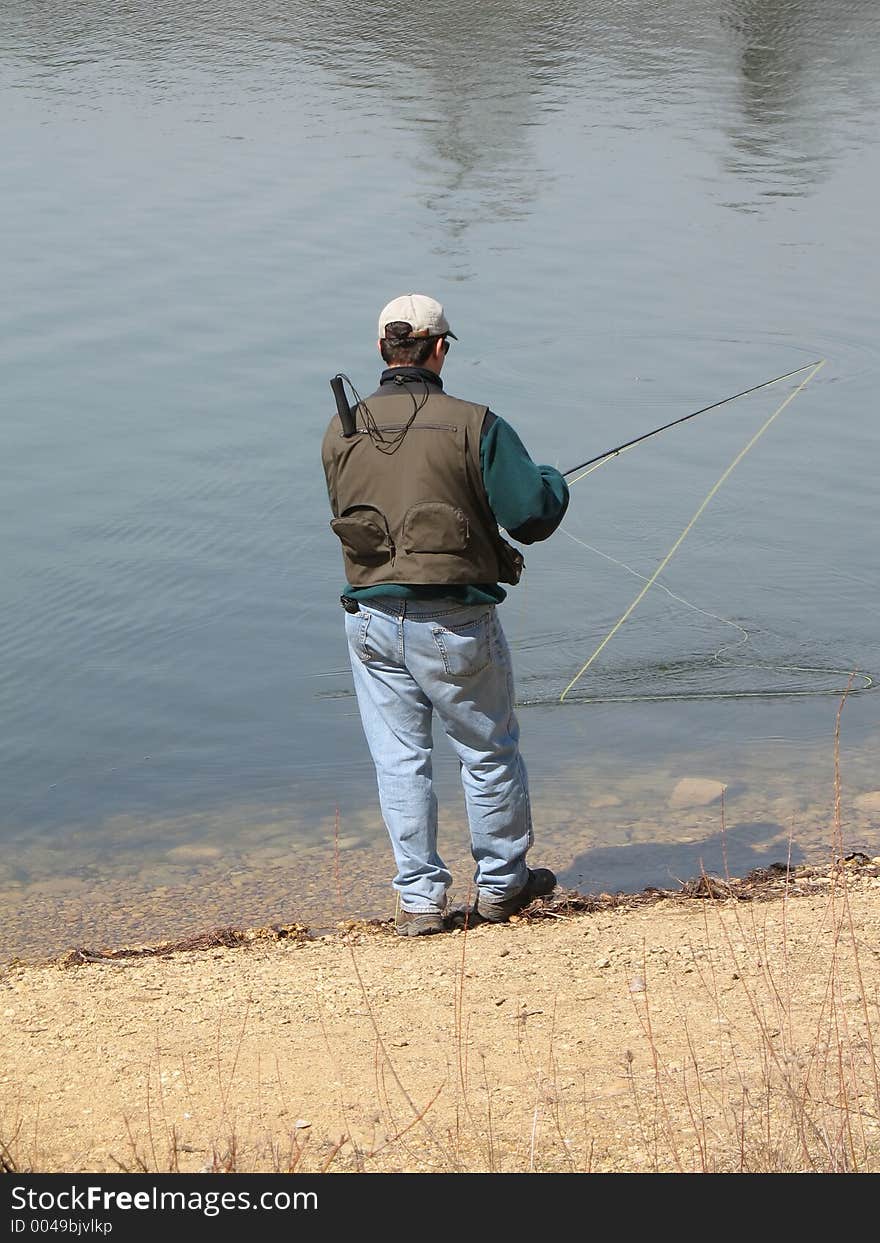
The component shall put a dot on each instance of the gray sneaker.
(541, 881)
(418, 923)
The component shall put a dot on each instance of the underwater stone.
(868, 802)
(696, 792)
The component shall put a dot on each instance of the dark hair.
(399, 349)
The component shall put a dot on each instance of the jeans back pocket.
(465, 649)
(357, 626)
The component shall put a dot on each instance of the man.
(418, 492)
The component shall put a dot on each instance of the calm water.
(630, 211)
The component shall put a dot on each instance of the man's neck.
(410, 375)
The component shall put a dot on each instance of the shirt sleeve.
(527, 499)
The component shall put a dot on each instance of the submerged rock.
(194, 852)
(696, 792)
(352, 841)
(868, 802)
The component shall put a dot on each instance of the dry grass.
(787, 1085)
(794, 1092)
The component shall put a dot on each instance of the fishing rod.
(601, 457)
(814, 368)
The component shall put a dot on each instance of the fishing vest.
(418, 515)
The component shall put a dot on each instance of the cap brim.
(450, 334)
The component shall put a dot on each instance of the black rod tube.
(343, 409)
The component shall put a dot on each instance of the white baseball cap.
(425, 316)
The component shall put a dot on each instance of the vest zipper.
(398, 427)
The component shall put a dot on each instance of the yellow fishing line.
(596, 465)
(675, 547)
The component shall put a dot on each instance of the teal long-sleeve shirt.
(528, 500)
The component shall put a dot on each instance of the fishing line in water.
(716, 656)
(651, 579)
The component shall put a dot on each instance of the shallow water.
(629, 213)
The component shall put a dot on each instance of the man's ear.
(379, 347)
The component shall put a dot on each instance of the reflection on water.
(205, 205)
(796, 59)
(475, 83)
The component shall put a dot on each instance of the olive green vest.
(418, 515)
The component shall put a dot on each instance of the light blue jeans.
(413, 658)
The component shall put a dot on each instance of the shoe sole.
(429, 928)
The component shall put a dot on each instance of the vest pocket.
(510, 562)
(434, 526)
(364, 534)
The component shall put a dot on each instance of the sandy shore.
(653, 1032)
